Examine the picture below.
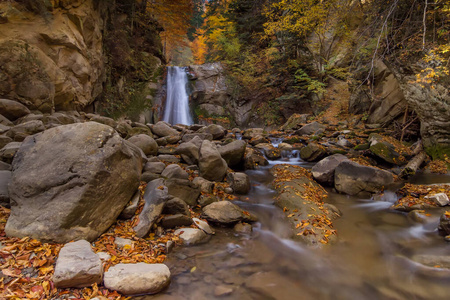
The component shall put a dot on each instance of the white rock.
(192, 236)
(440, 199)
(203, 225)
(121, 242)
(77, 266)
(140, 278)
(104, 256)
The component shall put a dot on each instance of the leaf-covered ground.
(414, 196)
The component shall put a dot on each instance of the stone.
(155, 196)
(176, 206)
(4, 166)
(121, 242)
(354, 179)
(71, 182)
(215, 130)
(146, 143)
(104, 120)
(239, 182)
(343, 142)
(19, 132)
(13, 110)
(226, 213)
(258, 139)
(4, 140)
(312, 152)
(253, 159)
(174, 171)
(269, 150)
(149, 176)
(440, 199)
(163, 129)
(5, 178)
(189, 152)
(123, 128)
(203, 225)
(323, 171)
(205, 186)
(183, 189)
(155, 167)
(417, 216)
(77, 266)
(137, 279)
(131, 208)
(294, 121)
(222, 290)
(192, 236)
(444, 224)
(314, 128)
(8, 152)
(243, 228)
(202, 136)
(211, 164)
(5, 121)
(176, 221)
(386, 151)
(169, 158)
(104, 257)
(207, 199)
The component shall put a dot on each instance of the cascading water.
(176, 110)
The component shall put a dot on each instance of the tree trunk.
(413, 165)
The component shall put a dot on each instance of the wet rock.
(183, 189)
(239, 182)
(71, 182)
(140, 278)
(155, 197)
(192, 236)
(175, 171)
(155, 167)
(386, 151)
(207, 199)
(270, 151)
(354, 179)
(13, 109)
(312, 152)
(253, 159)
(176, 206)
(175, 221)
(222, 290)
(212, 166)
(432, 260)
(121, 242)
(258, 139)
(104, 120)
(226, 213)
(323, 171)
(205, 186)
(440, 199)
(264, 283)
(189, 152)
(5, 178)
(21, 131)
(147, 144)
(312, 128)
(162, 129)
(215, 130)
(132, 207)
(294, 121)
(417, 216)
(444, 223)
(233, 153)
(243, 228)
(8, 152)
(252, 132)
(77, 266)
(203, 225)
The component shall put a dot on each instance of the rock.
(5, 178)
(207, 199)
(355, 179)
(175, 171)
(273, 285)
(222, 290)
(270, 151)
(433, 260)
(155, 197)
(253, 159)
(323, 171)
(202, 136)
(19, 132)
(8, 152)
(123, 128)
(243, 228)
(240, 182)
(215, 130)
(343, 142)
(212, 166)
(233, 153)
(77, 266)
(440, 199)
(183, 189)
(145, 143)
(140, 278)
(417, 216)
(5, 121)
(252, 132)
(149, 176)
(169, 158)
(385, 150)
(226, 213)
(4, 166)
(104, 120)
(192, 236)
(12, 110)
(314, 128)
(202, 225)
(175, 221)
(294, 121)
(4, 140)
(163, 129)
(189, 152)
(176, 206)
(444, 223)
(312, 152)
(140, 130)
(71, 182)
(155, 167)
(104, 257)
(121, 242)
(205, 186)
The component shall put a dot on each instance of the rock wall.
(51, 53)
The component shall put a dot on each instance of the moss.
(438, 152)
(362, 147)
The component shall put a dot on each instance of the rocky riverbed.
(132, 194)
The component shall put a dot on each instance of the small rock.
(176, 206)
(444, 224)
(175, 221)
(440, 199)
(205, 186)
(140, 278)
(240, 182)
(192, 236)
(222, 290)
(146, 143)
(227, 213)
(417, 216)
(155, 167)
(174, 171)
(121, 242)
(203, 225)
(207, 199)
(129, 211)
(243, 228)
(104, 256)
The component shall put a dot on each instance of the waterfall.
(176, 110)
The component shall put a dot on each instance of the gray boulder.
(77, 266)
(13, 109)
(198, 135)
(252, 132)
(226, 213)
(4, 140)
(132, 207)
(140, 278)
(183, 189)
(162, 129)
(155, 197)
(5, 178)
(323, 171)
(205, 186)
(312, 128)
(189, 152)
(155, 167)
(212, 166)
(354, 179)
(176, 206)
(253, 159)
(233, 153)
(192, 236)
(8, 152)
(239, 182)
(215, 130)
(71, 182)
(175, 221)
(147, 144)
(444, 224)
(21, 131)
(312, 152)
(104, 120)
(174, 171)
(4, 166)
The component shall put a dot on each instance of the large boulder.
(189, 152)
(162, 129)
(140, 278)
(71, 182)
(147, 144)
(77, 266)
(5, 178)
(323, 171)
(211, 164)
(184, 189)
(233, 153)
(354, 179)
(226, 213)
(21, 131)
(269, 150)
(239, 182)
(253, 159)
(389, 150)
(313, 152)
(12, 110)
(311, 128)
(215, 130)
(294, 121)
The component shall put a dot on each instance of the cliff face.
(52, 58)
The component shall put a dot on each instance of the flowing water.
(176, 110)
(371, 260)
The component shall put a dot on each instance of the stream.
(371, 259)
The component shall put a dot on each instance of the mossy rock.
(312, 152)
(140, 130)
(387, 152)
(362, 147)
(438, 152)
